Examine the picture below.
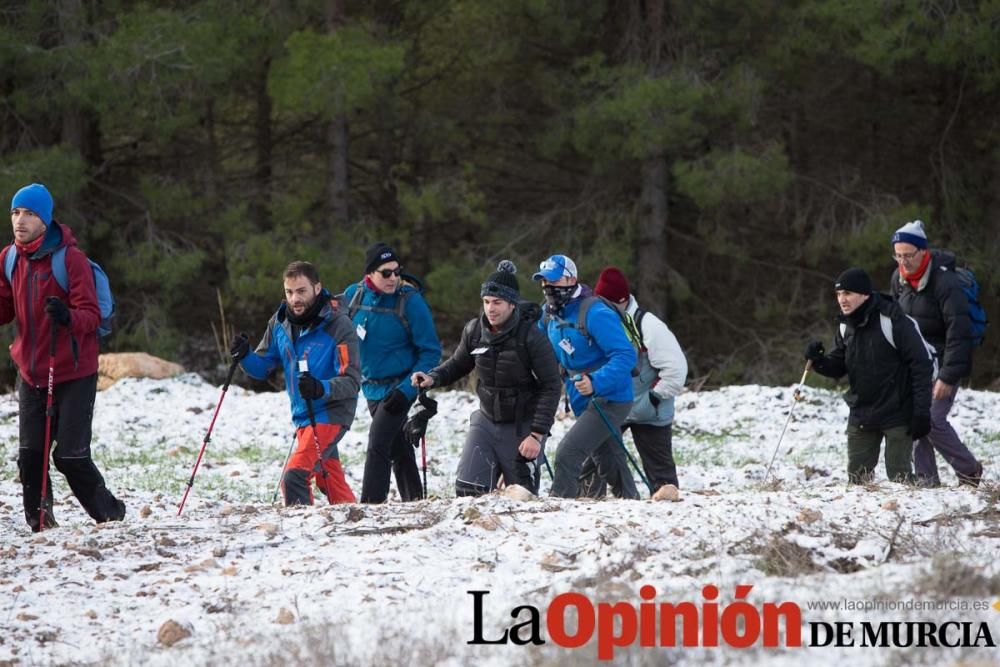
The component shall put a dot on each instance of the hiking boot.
(971, 480)
(118, 514)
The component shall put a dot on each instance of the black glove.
(416, 427)
(57, 310)
(654, 399)
(310, 387)
(815, 351)
(239, 348)
(396, 402)
(920, 426)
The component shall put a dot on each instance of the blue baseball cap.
(36, 198)
(554, 268)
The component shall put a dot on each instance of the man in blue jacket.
(398, 339)
(597, 351)
(316, 345)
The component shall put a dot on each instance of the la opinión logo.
(619, 624)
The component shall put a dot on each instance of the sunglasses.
(386, 273)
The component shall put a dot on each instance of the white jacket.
(665, 354)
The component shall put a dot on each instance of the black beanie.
(854, 280)
(378, 254)
(502, 283)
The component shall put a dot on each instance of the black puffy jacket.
(941, 309)
(889, 381)
(512, 385)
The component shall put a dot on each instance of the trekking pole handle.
(232, 368)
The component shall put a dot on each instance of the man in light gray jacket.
(662, 371)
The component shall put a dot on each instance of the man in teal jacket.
(598, 352)
(398, 339)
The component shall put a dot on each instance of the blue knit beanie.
(36, 198)
(912, 233)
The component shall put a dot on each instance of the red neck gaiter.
(914, 278)
(31, 247)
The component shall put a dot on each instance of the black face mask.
(557, 297)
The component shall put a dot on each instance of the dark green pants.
(862, 453)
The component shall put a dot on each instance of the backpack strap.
(10, 258)
(355, 302)
(521, 343)
(59, 268)
(639, 314)
(401, 300)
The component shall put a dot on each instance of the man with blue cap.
(44, 312)
(597, 356)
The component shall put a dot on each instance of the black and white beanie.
(502, 283)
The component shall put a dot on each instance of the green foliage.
(734, 177)
(59, 168)
(329, 74)
(640, 116)
(190, 146)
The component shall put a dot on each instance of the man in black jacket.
(927, 289)
(889, 367)
(518, 385)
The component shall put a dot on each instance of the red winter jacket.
(24, 301)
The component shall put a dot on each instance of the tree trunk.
(338, 187)
(261, 197)
(651, 279)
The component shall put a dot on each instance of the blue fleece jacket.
(606, 354)
(391, 352)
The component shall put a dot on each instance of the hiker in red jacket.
(42, 310)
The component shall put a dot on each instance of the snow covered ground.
(254, 583)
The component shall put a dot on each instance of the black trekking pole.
(208, 435)
(304, 370)
(796, 397)
(616, 434)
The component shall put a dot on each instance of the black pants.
(73, 411)
(387, 449)
(655, 447)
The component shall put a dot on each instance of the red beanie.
(612, 285)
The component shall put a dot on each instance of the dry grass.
(781, 557)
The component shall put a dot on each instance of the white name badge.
(479, 350)
(567, 346)
(361, 331)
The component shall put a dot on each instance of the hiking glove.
(654, 399)
(920, 426)
(815, 351)
(416, 427)
(57, 310)
(239, 348)
(310, 387)
(396, 402)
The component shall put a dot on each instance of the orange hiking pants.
(304, 466)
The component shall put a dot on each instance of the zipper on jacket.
(31, 321)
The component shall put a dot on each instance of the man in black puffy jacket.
(889, 367)
(927, 289)
(518, 385)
